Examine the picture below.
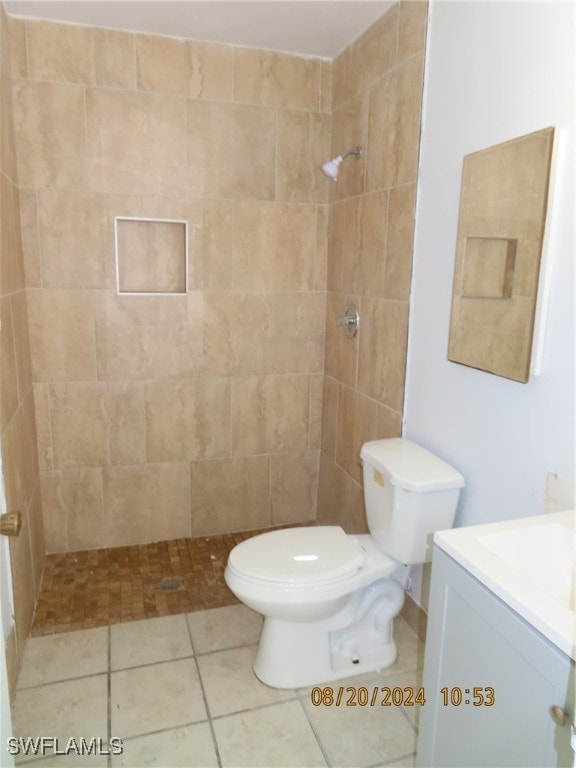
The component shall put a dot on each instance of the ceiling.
(312, 28)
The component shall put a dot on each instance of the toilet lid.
(316, 554)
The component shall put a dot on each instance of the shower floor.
(97, 587)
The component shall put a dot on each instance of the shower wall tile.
(273, 246)
(21, 344)
(41, 394)
(212, 71)
(30, 239)
(413, 19)
(79, 425)
(114, 59)
(62, 338)
(217, 245)
(293, 487)
(76, 240)
(148, 502)
(357, 422)
(230, 495)
(400, 241)
(51, 135)
(60, 52)
(270, 414)
(303, 143)
(382, 354)
(12, 276)
(188, 419)
(321, 253)
(376, 98)
(125, 411)
(9, 390)
(163, 64)
(18, 52)
(374, 53)
(237, 333)
(316, 393)
(136, 142)
(394, 125)
(276, 79)
(298, 321)
(63, 494)
(326, 86)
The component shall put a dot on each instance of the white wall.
(495, 71)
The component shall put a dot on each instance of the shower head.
(332, 167)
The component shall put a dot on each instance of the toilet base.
(358, 639)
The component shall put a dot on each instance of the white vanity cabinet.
(490, 681)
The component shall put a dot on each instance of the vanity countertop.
(529, 564)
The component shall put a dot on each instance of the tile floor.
(180, 691)
(97, 587)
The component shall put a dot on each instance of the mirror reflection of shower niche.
(500, 231)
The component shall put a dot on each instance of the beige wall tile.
(369, 268)
(136, 142)
(41, 393)
(230, 495)
(62, 335)
(12, 275)
(146, 503)
(60, 52)
(374, 53)
(18, 52)
(30, 238)
(22, 344)
(334, 494)
(73, 509)
(273, 246)
(357, 423)
(342, 87)
(125, 411)
(326, 86)
(188, 419)
(114, 59)
(394, 126)
(382, 356)
(298, 332)
(22, 585)
(293, 487)
(212, 71)
(77, 240)
(79, 425)
(217, 245)
(237, 333)
(316, 393)
(132, 334)
(276, 79)
(303, 145)
(349, 130)
(399, 242)
(389, 422)
(357, 522)
(151, 256)
(343, 236)
(51, 135)
(329, 416)
(413, 20)
(37, 537)
(231, 150)
(163, 64)
(270, 414)
(341, 353)
(321, 252)
(9, 390)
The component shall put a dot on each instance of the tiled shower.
(239, 405)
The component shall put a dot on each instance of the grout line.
(316, 734)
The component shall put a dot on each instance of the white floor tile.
(231, 685)
(220, 628)
(278, 735)
(149, 641)
(64, 656)
(156, 697)
(358, 736)
(189, 747)
(71, 709)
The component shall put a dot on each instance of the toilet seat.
(306, 556)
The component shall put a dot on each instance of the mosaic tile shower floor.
(82, 590)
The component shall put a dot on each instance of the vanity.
(499, 661)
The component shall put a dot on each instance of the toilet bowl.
(329, 598)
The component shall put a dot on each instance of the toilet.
(329, 598)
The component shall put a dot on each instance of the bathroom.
(280, 402)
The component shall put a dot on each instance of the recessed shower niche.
(151, 256)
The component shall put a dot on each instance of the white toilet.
(328, 598)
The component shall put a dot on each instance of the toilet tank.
(409, 493)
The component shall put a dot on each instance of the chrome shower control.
(350, 320)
